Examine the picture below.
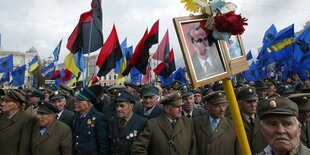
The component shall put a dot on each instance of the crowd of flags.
(282, 56)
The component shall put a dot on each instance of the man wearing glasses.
(205, 59)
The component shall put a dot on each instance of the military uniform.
(122, 138)
(255, 138)
(222, 140)
(161, 138)
(54, 139)
(303, 102)
(90, 132)
(15, 132)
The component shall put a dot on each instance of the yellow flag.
(71, 65)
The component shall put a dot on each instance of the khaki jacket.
(57, 140)
(222, 142)
(159, 138)
(15, 133)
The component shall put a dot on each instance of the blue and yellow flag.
(48, 71)
(6, 64)
(18, 76)
(34, 63)
(75, 63)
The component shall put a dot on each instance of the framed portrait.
(205, 57)
(236, 54)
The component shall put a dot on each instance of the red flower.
(230, 22)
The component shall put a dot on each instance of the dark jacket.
(90, 133)
(155, 112)
(121, 141)
(67, 117)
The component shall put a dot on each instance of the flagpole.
(83, 75)
(89, 44)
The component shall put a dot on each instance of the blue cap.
(124, 96)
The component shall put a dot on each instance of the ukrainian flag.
(33, 64)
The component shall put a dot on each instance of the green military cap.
(66, 88)
(269, 81)
(278, 106)
(52, 88)
(174, 99)
(124, 96)
(149, 90)
(302, 100)
(86, 95)
(197, 90)
(186, 91)
(13, 95)
(57, 95)
(37, 93)
(176, 84)
(47, 108)
(217, 97)
(259, 85)
(113, 90)
(286, 89)
(246, 93)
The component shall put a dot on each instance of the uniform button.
(77, 136)
(76, 143)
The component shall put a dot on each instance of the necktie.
(146, 112)
(173, 123)
(252, 122)
(42, 130)
(122, 124)
(188, 116)
(213, 125)
(207, 65)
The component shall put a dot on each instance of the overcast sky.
(42, 23)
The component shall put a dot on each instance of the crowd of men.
(154, 120)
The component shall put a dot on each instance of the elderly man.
(189, 108)
(150, 108)
(90, 130)
(168, 134)
(280, 127)
(303, 102)
(247, 101)
(126, 126)
(35, 97)
(261, 89)
(58, 98)
(205, 58)
(214, 133)
(15, 125)
(50, 136)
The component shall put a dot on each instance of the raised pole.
(236, 117)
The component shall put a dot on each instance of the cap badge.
(250, 90)
(273, 104)
(179, 94)
(305, 99)
(286, 86)
(220, 94)
(119, 94)
(56, 92)
(220, 82)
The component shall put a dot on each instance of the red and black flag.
(140, 57)
(66, 76)
(166, 67)
(162, 52)
(109, 54)
(55, 75)
(80, 37)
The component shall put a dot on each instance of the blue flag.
(135, 75)
(5, 77)
(48, 71)
(56, 51)
(119, 63)
(270, 34)
(165, 81)
(179, 75)
(281, 47)
(249, 56)
(302, 49)
(6, 64)
(18, 76)
(34, 84)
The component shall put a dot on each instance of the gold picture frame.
(236, 54)
(196, 43)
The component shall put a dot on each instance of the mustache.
(281, 137)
